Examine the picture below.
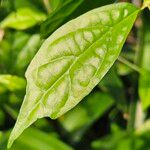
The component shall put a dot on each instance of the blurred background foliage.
(115, 116)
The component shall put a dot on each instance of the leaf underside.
(72, 61)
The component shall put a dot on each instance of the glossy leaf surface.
(72, 61)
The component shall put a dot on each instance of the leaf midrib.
(77, 59)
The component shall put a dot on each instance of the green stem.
(47, 6)
(132, 112)
(133, 102)
(139, 45)
(130, 65)
(11, 112)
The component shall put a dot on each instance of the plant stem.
(11, 112)
(132, 112)
(132, 107)
(140, 42)
(129, 64)
(47, 6)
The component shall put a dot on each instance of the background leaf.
(40, 139)
(22, 19)
(58, 16)
(28, 51)
(12, 82)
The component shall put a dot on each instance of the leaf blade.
(76, 59)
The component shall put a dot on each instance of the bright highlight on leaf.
(72, 61)
(146, 4)
(22, 19)
(12, 83)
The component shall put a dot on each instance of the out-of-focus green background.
(114, 116)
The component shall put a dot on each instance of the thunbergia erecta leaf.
(72, 61)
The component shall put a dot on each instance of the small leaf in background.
(32, 4)
(123, 69)
(58, 16)
(28, 51)
(22, 19)
(19, 41)
(144, 80)
(5, 47)
(56, 76)
(11, 82)
(113, 142)
(2, 118)
(41, 140)
(16, 57)
(86, 113)
(122, 140)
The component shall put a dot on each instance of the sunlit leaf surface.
(72, 61)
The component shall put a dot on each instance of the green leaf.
(56, 3)
(144, 80)
(22, 19)
(2, 118)
(28, 51)
(5, 47)
(34, 139)
(19, 41)
(41, 141)
(11, 82)
(34, 4)
(138, 140)
(72, 61)
(58, 16)
(111, 142)
(123, 69)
